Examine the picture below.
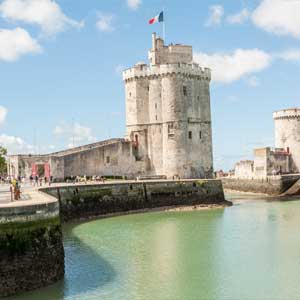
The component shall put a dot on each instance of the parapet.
(163, 54)
(290, 113)
(143, 70)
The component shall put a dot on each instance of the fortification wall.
(273, 185)
(163, 69)
(113, 159)
(97, 200)
(287, 134)
(31, 249)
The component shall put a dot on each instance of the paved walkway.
(31, 195)
(4, 194)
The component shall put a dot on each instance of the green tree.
(3, 163)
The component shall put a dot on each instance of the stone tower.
(287, 134)
(168, 116)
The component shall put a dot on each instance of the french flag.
(158, 18)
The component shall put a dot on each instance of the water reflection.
(248, 251)
(86, 271)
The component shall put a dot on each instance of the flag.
(158, 18)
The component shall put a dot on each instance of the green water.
(248, 251)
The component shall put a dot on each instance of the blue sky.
(61, 62)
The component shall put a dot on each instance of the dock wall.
(31, 248)
(96, 200)
(272, 185)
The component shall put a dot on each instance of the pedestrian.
(17, 191)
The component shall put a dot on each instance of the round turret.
(287, 134)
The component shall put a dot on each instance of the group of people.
(16, 182)
(85, 179)
(39, 181)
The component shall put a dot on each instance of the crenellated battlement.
(168, 112)
(292, 113)
(143, 70)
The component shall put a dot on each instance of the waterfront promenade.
(5, 195)
(29, 196)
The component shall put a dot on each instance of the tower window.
(198, 98)
(190, 135)
(171, 131)
(184, 90)
(155, 105)
(200, 135)
(129, 94)
(148, 87)
(156, 117)
(107, 159)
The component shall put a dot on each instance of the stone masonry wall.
(31, 249)
(273, 185)
(93, 200)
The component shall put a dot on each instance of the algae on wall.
(31, 254)
(19, 237)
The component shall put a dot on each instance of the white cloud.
(134, 4)
(15, 145)
(281, 17)
(239, 18)
(3, 114)
(75, 133)
(45, 13)
(16, 42)
(253, 81)
(290, 55)
(215, 16)
(104, 22)
(230, 67)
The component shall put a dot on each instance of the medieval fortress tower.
(168, 112)
(287, 134)
(168, 126)
(284, 158)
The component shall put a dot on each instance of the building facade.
(168, 126)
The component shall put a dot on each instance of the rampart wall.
(93, 200)
(272, 185)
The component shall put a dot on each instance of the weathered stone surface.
(168, 112)
(287, 134)
(274, 185)
(31, 256)
(284, 158)
(96, 200)
(31, 248)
